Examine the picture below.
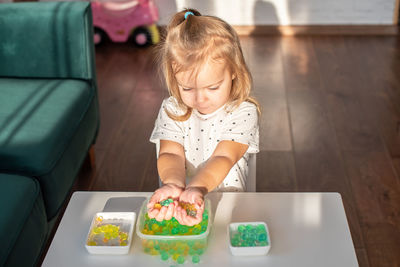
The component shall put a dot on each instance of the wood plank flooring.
(330, 123)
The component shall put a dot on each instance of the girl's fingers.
(182, 197)
(199, 216)
(181, 217)
(170, 212)
(192, 197)
(181, 214)
(195, 198)
(160, 194)
(156, 197)
(199, 201)
(193, 221)
(152, 213)
(200, 208)
(188, 219)
(160, 216)
(178, 215)
(151, 202)
(174, 209)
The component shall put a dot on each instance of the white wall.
(287, 12)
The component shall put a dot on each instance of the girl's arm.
(226, 154)
(171, 163)
(171, 169)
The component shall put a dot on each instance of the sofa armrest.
(47, 40)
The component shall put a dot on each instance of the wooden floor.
(330, 123)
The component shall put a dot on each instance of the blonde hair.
(190, 42)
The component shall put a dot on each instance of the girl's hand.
(166, 212)
(192, 195)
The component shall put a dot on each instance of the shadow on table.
(215, 198)
(124, 204)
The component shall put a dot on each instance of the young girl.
(209, 124)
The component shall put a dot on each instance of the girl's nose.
(200, 96)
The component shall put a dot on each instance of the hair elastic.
(188, 13)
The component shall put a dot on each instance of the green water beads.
(179, 251)
(173, 227)
(164, 256)
(195, 259)
(166, 202)
(249, 236)
(181, 259)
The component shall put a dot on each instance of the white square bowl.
(126, 222)
(248, 251)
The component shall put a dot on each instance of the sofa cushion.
(38, 118)
(56, 184)
(23, 225)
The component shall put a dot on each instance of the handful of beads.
(165, 202)
(107, 235)
(249, 236)
(190, 208)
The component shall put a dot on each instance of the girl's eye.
(186, 89)
(214, 88)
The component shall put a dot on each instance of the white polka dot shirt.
(200, 134)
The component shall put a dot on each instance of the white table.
(306, 229)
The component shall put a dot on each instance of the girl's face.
(208, 91)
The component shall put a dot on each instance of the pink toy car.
(119, 21)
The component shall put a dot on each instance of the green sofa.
(49, 118)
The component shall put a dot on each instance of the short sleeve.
(241, 125)
(165, 128)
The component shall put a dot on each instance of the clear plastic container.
(248, 250)
(178, 247)
(117, 239)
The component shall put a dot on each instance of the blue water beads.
(249, 235)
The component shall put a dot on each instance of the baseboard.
(314, 30)
(396, 12)
(318, 30)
